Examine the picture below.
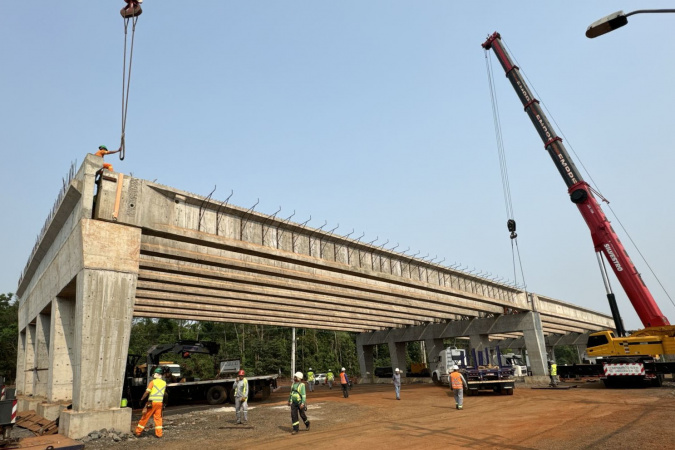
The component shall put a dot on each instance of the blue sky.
(374, 115)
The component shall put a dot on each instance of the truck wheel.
(509, 391)
(658, 381)
(266, 391)
(216, 395)
(437, 382)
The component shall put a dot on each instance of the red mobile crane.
(624, 356)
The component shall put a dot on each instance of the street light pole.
(617, 20)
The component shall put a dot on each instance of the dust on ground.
(587, 416)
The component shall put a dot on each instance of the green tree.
(9, 335)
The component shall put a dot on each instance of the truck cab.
(446, 359)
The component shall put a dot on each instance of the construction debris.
(37, 424)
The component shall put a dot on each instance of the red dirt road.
(587, 417)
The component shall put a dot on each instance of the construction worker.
(310, 380)
(458, 384)
(157, 400)
(344, 382)
(553, 373)
(396, 379)
(241, 397)
(298, 403)
(330, 378)
(102, 151)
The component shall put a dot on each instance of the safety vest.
(330, 376)
(157, 390)
(456, 380)
(554, 369)
(343, 378)
(310, 376)
(297, 393)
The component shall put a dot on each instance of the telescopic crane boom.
(604, 238)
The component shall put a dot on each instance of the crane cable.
(126, 79)
(593, 185)
(506, 188)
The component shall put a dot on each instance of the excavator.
(626, 360)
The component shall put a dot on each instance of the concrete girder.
(304, 266)
(487, 326)
(216, 279)
(152, 314)
(249, 309)
(162, 291)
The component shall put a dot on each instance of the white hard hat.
(298, 375)
(397, 370)
(310, 368)
(455, 368)
(342, 370)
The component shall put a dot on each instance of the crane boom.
(604, 238)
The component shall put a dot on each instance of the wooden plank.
(55, 441)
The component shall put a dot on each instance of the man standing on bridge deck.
(155, 406)
(457, 384)
(241, 396)
(310, 380)
(298, 403)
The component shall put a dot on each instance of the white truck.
(516, 362)
(446, 359)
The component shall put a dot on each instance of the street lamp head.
(606, 24)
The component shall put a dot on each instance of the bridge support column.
(104, 300)
(61, 356)
(433, 347)
(535, 344)
(365, 355)
(397, 353)
(41, 372)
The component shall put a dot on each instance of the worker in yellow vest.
(553, 373)
(330, 378)
(298, 403)
(157, 396)
(458, 384)
(310, 379)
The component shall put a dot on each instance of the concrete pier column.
(365, 355)
(61, 355)
(535, 344)
(29, 367)
(433, 347)
(62, 350)
(41, 373)
(20, 381)
(397, 353)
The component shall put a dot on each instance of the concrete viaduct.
(116, 247)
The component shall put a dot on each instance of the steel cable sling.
(126, 79)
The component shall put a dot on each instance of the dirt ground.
(586, 416)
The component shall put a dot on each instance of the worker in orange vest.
(157, 400)
(344, 381)
(458, 384)
(102, 151)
